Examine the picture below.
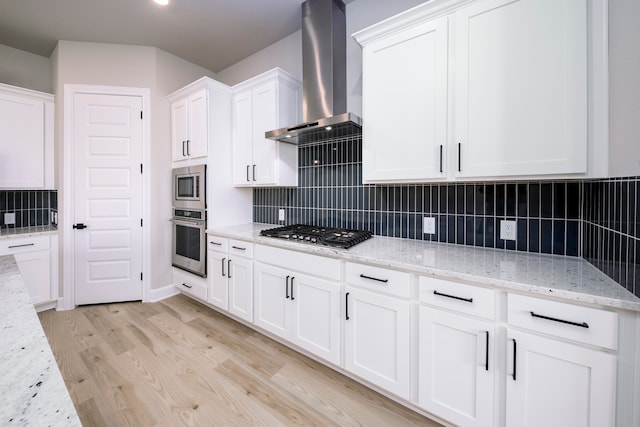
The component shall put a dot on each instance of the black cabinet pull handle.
(216, 243)
(286, 287)
(254, 172)
(188, 151)
(486, 349)
(229, 269)
(292, 298)
(452, 296)
(22, 246)
(346, 306)
(515, 347)
(440, 158)
(223, 273)
(239, 248)
(248, 173)
(459, 157)
(554, 319)
(183, 154)
(187, 286)
(374, 278)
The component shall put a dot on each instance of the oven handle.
(196, 222)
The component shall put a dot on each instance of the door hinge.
(140, 115)
(140, 167)
(140, 222)
(140, 276)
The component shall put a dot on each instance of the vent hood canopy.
(324, 76)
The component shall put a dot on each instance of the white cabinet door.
(179, 129)
(217, 267)
(243, 139)
(240, 275)
(316, 316)
(197, 142)
(271, 293)
(377, 339)
(405, 105)
(554, 383)
(265, 151)
(26, 139)
(521, 88)
(35, 268)
(456, 368)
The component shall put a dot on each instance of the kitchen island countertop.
(32, 391)
(569, 278)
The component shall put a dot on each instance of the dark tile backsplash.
(31, 208)
(596, 220)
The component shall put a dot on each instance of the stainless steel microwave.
(189, 187)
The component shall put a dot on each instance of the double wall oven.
(189, 219)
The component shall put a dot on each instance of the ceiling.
(211, 33)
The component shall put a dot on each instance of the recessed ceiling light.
(162, 2)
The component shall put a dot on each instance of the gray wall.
(24, 69)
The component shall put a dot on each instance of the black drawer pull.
(21, 246)
(453, 296)
(187, 286)
(374, 278)
(216, 243)
(239, 248)
(568, 322)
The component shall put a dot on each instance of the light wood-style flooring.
(179, 363)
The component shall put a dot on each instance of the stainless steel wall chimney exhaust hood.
(324, 76)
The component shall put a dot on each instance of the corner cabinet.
(266, 102)
(480, 91)
(26, 139)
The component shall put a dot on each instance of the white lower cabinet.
(298, 307)
(377, 339)
(230, 273)
(556, 380)
(190, 284)
(456, 369)
(37, 260)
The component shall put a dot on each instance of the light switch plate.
(9, 218)
(507, 230)
(429, 225)
(280, 214)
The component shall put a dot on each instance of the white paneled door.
(107, 135)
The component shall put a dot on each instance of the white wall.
(130, 66)
(24, 69)
(624, 87)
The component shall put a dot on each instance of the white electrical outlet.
(507, 230)
(280, 214)
(9, 218)
(429, 225)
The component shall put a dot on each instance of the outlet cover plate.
(9, 218)
(280, 214)
(429, 225)
(507, 230)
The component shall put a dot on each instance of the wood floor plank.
(179, 363)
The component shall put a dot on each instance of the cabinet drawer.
(379, 279)
(584, 324)
(218, 244)
(240, 248)
(23, 244)
(190, 284)
(468, 299)
(306, 263)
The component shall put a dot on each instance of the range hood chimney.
(324, 76)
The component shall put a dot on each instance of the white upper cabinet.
(190, 127)
(521, 88)
(26, 138)
(406, 104)
(263, 103)
(491, 89)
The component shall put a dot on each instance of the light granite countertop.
(569, 278)
(11, 232)
(32, 391)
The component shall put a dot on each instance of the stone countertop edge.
(568, 278)
(32, 391)
(10, 233)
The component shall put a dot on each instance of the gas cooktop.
(327, 236)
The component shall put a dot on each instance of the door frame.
(67, 300)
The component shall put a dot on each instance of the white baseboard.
(159, 294)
